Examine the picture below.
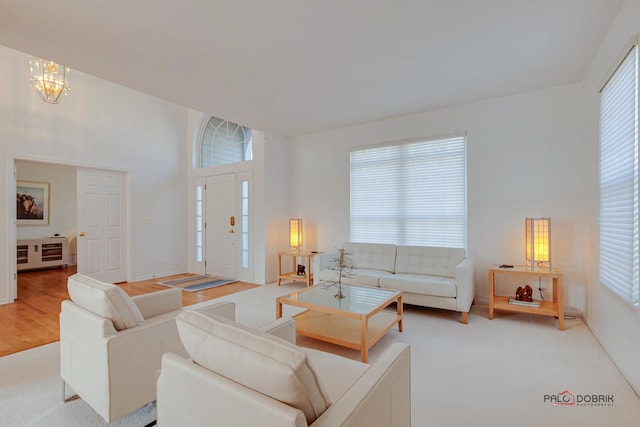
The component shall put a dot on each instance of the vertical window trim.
(199, 233)
(245, 231)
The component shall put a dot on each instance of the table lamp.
(538, 243)
(295, 234)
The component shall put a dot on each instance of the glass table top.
(358, 299)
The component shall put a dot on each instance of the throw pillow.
(262, 362)
(106, 300)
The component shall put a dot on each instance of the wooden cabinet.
(42, 253)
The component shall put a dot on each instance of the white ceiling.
(300, 66)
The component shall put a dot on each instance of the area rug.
(197, 283)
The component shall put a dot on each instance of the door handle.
(81, 234)
(232, 221)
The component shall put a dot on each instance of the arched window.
(224, 142)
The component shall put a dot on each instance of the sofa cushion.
(421, 284)
(372, 256)
(432, 261)
(262, 362)
(106, 300)
(338, 373)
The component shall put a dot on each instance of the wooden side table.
(292, 275)
(553, 308)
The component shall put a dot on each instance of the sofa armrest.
(465, 284)
(78, 321)
(284, 328)
(324, 261)
(381, 397)
(225, 309)
(160, 302)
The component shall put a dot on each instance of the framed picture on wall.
(32, 203)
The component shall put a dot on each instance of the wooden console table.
(553, 308)
(292, 275)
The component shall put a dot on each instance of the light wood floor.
(33, 320)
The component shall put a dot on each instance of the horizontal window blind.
(619, 181)
(410, 193)
(224, 142)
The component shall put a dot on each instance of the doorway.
(228, 226)
(68, 206)
(102, 224)
(220, 225)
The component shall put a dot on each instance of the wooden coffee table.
(357, 321)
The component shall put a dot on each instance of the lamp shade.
(538, 243)
(295, 233)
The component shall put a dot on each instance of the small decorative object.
(300, 271)
(524, 294)
(343, 269)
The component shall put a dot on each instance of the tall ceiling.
(299, 66)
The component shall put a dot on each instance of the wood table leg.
(278, 309)
(491, 293)
(364, 351)
(400, 311)
(559, 285)
(308, 262)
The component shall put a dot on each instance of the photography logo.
(567, 398)
(564, 398)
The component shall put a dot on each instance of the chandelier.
(49, 79)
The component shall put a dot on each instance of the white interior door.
(102, 224)
(220, 225)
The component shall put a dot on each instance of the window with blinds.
(619, 181)
(410, 193)
(224, 142)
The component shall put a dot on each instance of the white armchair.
(237, 376)
(111, 344)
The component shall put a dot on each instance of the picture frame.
(32, 203)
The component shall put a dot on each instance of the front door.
(102, 224)
(220, 225)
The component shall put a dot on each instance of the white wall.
(278, 201)
(102, 125)
(62, 202)
(523, 160)
(613, 322)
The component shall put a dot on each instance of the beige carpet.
(490, 372)
(487, 373)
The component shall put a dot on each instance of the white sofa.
(427, 276)
(237, 376)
